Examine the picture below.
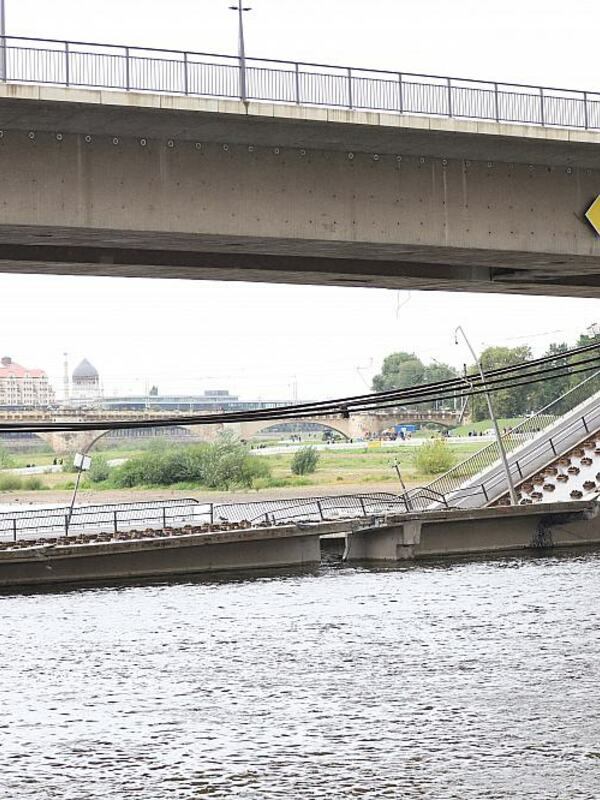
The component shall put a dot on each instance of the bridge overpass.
(356, 426)
(320, 175)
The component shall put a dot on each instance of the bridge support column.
(65, 443)
(394, 543)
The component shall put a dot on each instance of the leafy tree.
(436, 373)
(305, 461)
(512, 402)
(544, 392)
(405, 370)
(399, 371)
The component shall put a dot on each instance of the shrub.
(434, 457)
(305, 461)
(6, 459)
(33, 484)
(8, 483)
(13, 483)
(223, 465)
(99, 470)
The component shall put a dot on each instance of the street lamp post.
(509, 480)
(80, 470)
(2, 40)
(240, 8)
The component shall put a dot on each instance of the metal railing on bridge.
(446, 485)
(54, 523)
(104, 66)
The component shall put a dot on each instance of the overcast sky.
(190, 336)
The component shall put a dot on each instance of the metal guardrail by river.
(35, 523)
(129, 68)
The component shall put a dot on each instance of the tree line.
(404, 370)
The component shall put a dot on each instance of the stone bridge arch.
(249, 430)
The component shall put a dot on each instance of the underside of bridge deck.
(102, 183)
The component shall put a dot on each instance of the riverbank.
(89, 496)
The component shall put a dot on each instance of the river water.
(463, 680)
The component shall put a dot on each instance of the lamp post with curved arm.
(2, 40)
(509, 480)
(80, 471)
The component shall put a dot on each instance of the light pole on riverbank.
(509, 480)
(81, 468)
(2, 40)
(240, 8)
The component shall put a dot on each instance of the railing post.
(586, 121)
(212, 514)
(362, 505)
(243, 87)
(350, 98)
(585, 425)
(14, 529)
(115, 522)
(400, 93)
(3, 68)
(518, 466)
(3, 75)
(66, 520)
(449, 97)
(496, 103)
(297, 81)
(127, 72)
(551, 443)
(485, 494)
(542, 115)
(186, 81)
(320, 507)
(67, 68)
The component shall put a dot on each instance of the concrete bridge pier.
(64, 443)
(391, 543)
(467, 532)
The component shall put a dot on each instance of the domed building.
(85, 382)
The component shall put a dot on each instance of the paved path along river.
(463, 680)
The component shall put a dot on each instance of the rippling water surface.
(464, 680)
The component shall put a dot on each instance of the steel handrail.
(478, 459)
(578, 116)
(342, 67)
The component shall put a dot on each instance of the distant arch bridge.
(360, 425)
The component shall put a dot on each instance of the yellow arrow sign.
(593, 215)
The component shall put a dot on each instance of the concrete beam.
(484, 530)
(239, 550)
(126, 184)
(394, 543)
(103, 113)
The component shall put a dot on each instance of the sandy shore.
(204, 495)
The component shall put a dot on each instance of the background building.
(23, 387)
(213, 400)
(85, 382)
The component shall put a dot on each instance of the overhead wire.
(527, 373)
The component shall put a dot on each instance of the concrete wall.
(238, 550)
(478, 531)
(96, 185)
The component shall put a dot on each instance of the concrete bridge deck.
(150, 185)
(386, 538)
